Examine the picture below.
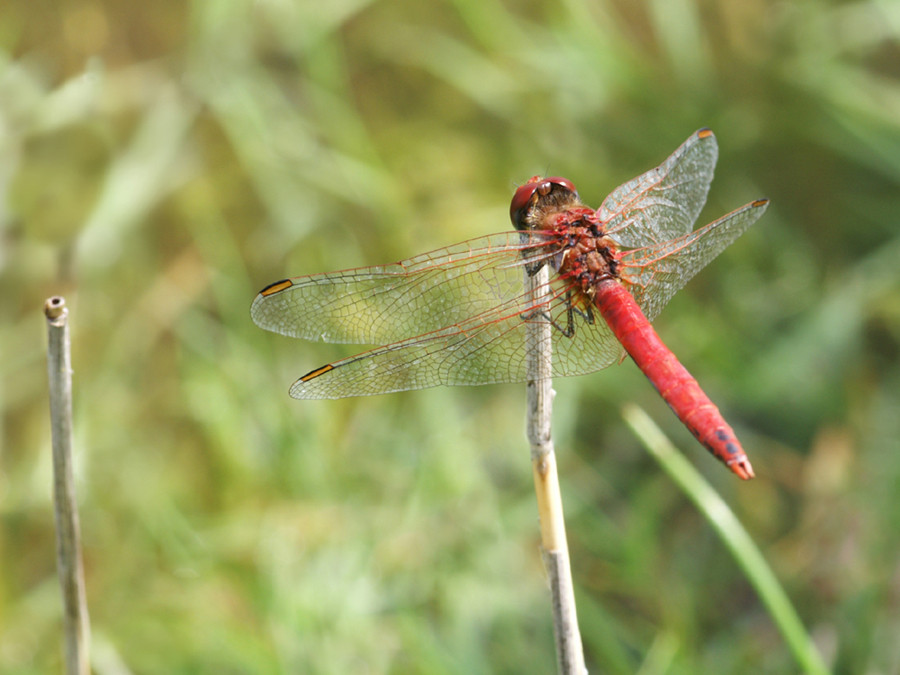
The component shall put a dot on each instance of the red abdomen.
(672, 380)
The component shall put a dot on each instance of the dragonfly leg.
(571, 310)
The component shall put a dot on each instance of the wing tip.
(299, 388)
(258, 308)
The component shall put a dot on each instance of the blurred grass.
(160, 163)
(732, 534)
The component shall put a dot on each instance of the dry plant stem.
(68, 539)
(555, 549)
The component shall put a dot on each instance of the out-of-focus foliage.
(160, 162)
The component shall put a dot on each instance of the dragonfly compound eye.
(521, 201)
(559, 182)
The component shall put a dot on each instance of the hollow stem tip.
(54, 307)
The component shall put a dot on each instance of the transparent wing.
(488, 348)
(663, 203)
(655, 273)
(377, 305)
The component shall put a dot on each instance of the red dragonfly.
(458, 315)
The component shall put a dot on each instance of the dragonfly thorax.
(588, 255)
(552, 207)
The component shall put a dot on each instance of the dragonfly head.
(539, 195)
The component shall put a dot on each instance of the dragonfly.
(458, 315)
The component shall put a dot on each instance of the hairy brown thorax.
(552, 205)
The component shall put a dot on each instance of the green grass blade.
(733, 534)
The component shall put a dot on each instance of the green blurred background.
(163, 161)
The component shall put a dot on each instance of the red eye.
(564, 183)
(522, 199)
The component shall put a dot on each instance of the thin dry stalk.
(76, 624)
(555, 548)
